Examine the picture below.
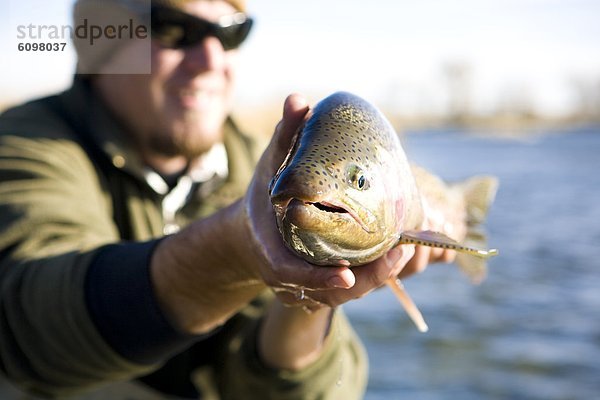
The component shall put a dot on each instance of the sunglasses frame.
(231, 30)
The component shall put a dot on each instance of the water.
(532, 329)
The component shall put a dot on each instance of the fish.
(346, 193)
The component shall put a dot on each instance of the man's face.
(179, 109)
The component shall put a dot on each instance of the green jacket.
(79, 218)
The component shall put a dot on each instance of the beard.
(189, 138)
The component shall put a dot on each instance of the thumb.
(295, 110)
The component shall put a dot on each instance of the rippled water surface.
(532, 329)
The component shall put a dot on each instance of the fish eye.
(357, 178)
(362, 182)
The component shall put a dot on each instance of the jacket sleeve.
(340, 372)
(56, 222)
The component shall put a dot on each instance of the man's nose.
(206, 55)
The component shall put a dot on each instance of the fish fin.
(479, 193)
(409, 306)
(474, 267)
(438, 239)
(470, 259)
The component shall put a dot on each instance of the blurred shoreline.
(507, 125)
(260, 120)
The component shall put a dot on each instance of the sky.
(389, 51)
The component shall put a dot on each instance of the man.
(137, 248)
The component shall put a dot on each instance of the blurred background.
(482, 63)
(509, 88)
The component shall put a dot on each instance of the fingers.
(377, 273)
(447, 256)
(314, 287)
(317, 288)
(366, 278)
(437, 255)
(418, 263)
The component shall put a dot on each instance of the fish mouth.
(323, 208)
(327, 207)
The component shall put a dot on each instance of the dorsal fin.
(479, 192)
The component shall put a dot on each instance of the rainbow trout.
(346, 194)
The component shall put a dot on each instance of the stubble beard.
(185, 139)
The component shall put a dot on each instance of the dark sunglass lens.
(175, 29)
(167, 27)
(233, 36)
(169, 35)
(195, 32)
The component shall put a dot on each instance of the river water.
(532, 329)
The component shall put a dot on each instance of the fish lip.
(284, 204)
(336, 205)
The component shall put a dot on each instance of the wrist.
(203, 275)
(291, 338)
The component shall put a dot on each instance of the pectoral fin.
(409, 306)
(471, 260)
(437, 239)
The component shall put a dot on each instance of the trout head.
(339, 197)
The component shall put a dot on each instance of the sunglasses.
(175, 29)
